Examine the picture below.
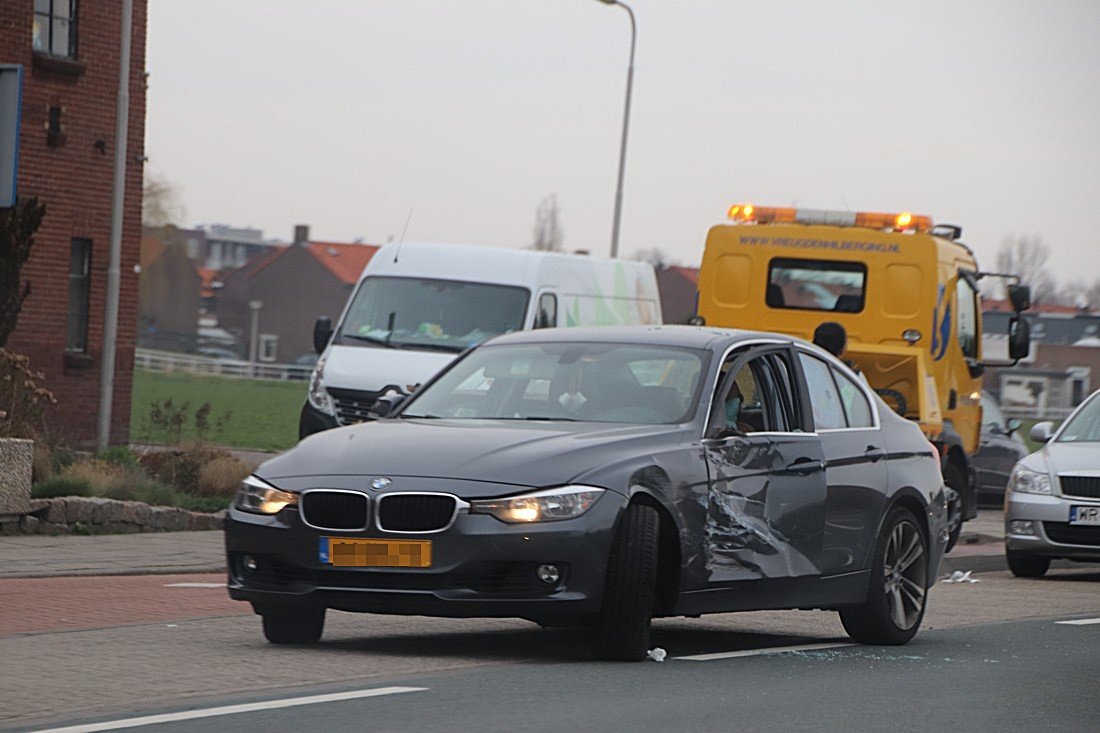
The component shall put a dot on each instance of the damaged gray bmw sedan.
(600, 478)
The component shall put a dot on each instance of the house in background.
(679, 287)
(272, 302)
(67, 153)
(220, 247)
(169, 293)
(1058, 374)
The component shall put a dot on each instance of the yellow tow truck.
(904, 290)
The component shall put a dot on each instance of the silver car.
(1052, 503)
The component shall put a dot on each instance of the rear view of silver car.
(1052, 503)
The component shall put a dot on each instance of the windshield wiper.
(539, 418)
(421, 417)
(372, 340)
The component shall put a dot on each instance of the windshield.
(594, 382)
(1084, 426)
(449, 315)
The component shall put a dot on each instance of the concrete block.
(16, 460)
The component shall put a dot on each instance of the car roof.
(698, 337)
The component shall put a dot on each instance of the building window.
(80, 258)
(269, 347)
(55, 27)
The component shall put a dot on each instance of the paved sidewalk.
(981, 549)
(40, 556)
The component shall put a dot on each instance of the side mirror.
(1041, 431)
(387, 404)
(1019, 337)
(322, 332)
(697, 321)
(1020, 297)
(1012, 425)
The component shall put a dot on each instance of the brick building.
(291, 286)
(70, 52)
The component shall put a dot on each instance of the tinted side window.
(855, 402)
(824, 397)
(548, 311)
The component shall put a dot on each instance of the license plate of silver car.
(1084, 515)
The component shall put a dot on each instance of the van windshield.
(422, 313)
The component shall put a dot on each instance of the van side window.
(548, 311)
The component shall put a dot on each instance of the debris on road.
(960, 577)
(657, 654)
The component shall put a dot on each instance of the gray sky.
(347, 114)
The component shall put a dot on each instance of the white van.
(419, 305)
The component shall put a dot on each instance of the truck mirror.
(1020, 297)
(322, 332)
(1019, 337)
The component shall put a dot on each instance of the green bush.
(62, 486)
(119, 455)
(211, 504)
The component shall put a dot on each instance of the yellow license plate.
(354, 552)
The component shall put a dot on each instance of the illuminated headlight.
(259, 497)
(318, 396)
(1029, 482)
(551, 505)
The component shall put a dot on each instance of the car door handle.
(874, 453)
(806, 467)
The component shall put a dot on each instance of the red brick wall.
(74, 181)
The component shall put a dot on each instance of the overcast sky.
(348, 114)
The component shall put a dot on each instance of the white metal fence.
(168, 361)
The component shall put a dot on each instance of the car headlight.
(259, 497)
(550, 505)
(1029, 482)
(318, 396)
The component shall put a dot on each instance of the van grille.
(352, 405)
(1084, 486)
(415, 512)
(339, 510)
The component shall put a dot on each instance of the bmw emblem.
(380, 483)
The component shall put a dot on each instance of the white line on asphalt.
(760, 652)
(231, 710)
(194, 585)
(1080, 622)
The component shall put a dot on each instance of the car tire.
(1027, 566)
(298, 626)
(621, 629)
(897, 592)
(955, 480)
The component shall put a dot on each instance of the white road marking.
(1080, 622)
(761, 652)
(194, 585)
(232, 710)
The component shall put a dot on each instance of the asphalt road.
(989, 654)
(957, 679)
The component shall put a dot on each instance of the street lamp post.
(254, 340)
(626, 125)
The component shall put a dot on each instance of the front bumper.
(311, 420)
(1049, 520)
(481, 567)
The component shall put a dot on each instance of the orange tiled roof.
(345, 261)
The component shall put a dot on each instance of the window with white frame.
(269, 347)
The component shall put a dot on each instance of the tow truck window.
(818, 285)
